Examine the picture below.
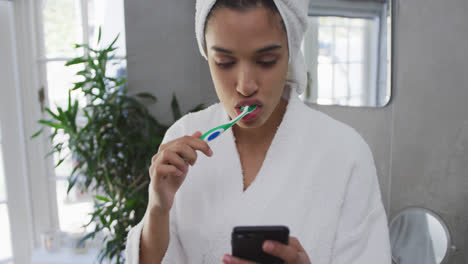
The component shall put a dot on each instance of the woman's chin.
(249, 124)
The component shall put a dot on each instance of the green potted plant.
(111, 146)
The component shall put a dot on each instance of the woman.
(284, 164)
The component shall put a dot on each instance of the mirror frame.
(393, 8)
(450, 247)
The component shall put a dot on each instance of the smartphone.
(247, 242)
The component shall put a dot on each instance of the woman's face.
(248, 58)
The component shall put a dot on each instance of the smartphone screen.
(247, 242)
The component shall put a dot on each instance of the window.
(65, 23)
(344, 66)
(346, 48)
(33, 49)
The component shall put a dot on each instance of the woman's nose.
(246, 82)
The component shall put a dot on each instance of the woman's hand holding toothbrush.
(169, 168)
(170, 165)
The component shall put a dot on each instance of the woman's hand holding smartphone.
(265, 244)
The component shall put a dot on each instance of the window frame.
(38, 187)
(31, 194)
(16, 167)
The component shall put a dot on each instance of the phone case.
(247, 242)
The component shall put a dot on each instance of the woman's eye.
(267, 63)
(224, 65)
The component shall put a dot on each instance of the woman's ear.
(204, 49)
(289, 74)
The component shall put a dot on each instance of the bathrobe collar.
(277, 166)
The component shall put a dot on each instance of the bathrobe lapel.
(273, 172)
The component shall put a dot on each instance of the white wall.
(163, 55)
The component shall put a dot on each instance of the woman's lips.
(251, 116)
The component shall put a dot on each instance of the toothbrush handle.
(220, 129)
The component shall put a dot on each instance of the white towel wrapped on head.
(294, 15)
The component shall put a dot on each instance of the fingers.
(172, 158)
(228, 259)
(186, 147)
(296, 244)
(193, 141)
(288, 253)
(168, 170)
(178, 153)
(197, 134)
(165, 164)
(198, 144)
(293, 253)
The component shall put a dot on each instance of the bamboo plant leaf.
(60, 162)
(110, 48)
(75, 61)
(197, 108)
(101, 198)
(99, 36)
(52, 124)
(52, 113)
(175, 108)
(147, 96)
(71, 183)
(37, 133)
(86, 237)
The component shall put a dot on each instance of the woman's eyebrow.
(221, 50)
(268, 48)
(265, 49)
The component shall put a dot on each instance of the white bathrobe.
(318, 178)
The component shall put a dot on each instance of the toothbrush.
(215, 132)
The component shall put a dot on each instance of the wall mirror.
(419, 236)
(347, 49)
